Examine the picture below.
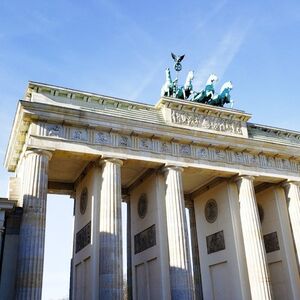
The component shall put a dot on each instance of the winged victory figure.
(177, 59)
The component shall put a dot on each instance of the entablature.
(188, 131)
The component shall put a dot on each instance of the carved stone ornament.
(79, 134)
(145, 239)
(124, 141)
(145, 144)
(215, 242)
(83, 237)
(271, 242)
(185, 149)
(211, 211)
(102, 138)
(206, 122)
(165, 147)
(83, 200)
(142, 206)
(54, 130)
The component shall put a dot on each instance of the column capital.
(114, 160)
(38, 151)
(168, 167)
(288, 183)
(241, 176)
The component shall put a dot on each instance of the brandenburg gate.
(213, 200)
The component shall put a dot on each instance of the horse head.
(226, 87)
(167, 88)
(212, 79)
(188, 81)
(168, 75)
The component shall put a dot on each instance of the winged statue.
(177, 59)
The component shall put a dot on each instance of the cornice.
(170, 119)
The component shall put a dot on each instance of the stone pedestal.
(292, 192)
(110, 232)
(180, 271)
(32, 231)
(253, 241)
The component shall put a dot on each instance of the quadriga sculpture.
(169, 86)
(209, 91)
(185, 91)
(224, 96)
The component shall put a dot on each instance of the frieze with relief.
(206, 122)
(102, 138)
(80, 134)
(198, 152)
(54, 130)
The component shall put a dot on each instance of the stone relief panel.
(202, 153)
(206, 122)
(145, 239)
(185, 150)
(215, 242)
(271, 242)
(220, 155)
(124, 141)
(145, 144)
(54, 130)
(79, 134)
(83, 237)
(102, 138)
(165, 147)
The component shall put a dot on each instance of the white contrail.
(224, 54)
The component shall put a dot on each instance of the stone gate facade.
(238, 181)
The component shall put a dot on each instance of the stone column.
(292, 192)
(259, 278)
(32, 230)
(287, 246)
(110, 231)
(129, 251)
(179, 261)
(2, 229)
(195, 251)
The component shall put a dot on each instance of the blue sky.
(121, 48)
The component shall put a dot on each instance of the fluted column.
(129, 251)
(253, 241)
(292, 192)
(32, 230)
(110, 238)
(287, 247)
(179, 260)
(2, 229)
(195, 251)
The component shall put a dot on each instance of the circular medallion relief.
(260, 212)
(211, 211)
(83, 200)
(142, 206)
